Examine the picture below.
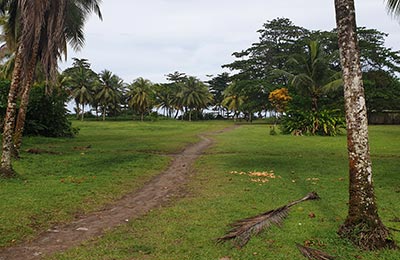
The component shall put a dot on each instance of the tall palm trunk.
(6, 169)
(83, 111)
(363, 225)
(20, 124)
(104, 113)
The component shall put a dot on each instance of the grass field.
(188, 229)
(53, 188)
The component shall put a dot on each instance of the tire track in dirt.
(157, 192)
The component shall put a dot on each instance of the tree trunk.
(20, 124)
(6, 169)
(83, 111)
(78, 110)
(141, 117)
(23, 107)
(363, 226)
(104, 114)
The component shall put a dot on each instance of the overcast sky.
(152, 38)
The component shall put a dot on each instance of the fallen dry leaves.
(257, 176)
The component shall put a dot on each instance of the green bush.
(325, 122)
(47, 114)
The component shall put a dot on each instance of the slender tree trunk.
(23, 107)
(104, 114)
(78, 110)
(83, 111)
(141, 117)
(363, 225)
(176, 114)
(6, 169)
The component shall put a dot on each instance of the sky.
(153, 38)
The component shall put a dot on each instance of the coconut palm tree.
(141, 95)
(195, 95)
(42, 30)
(232, 100)
(164, 98)
(313, 76)
(363, 225)
(108, 90)
(80, 81)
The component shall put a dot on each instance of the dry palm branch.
(314, 254)
(242, 230)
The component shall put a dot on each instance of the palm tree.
(362, 226)
(232, 100)
(140, 95)
(42, 30)
(108, 90)
(82, 81)
(195, 95)
(164, 98)
(314, 77)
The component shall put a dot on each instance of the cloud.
(155, 37)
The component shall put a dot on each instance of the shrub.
(325, 122)
(47, 114)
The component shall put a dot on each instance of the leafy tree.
(47, 113)
(382, 91)
(374, 54)
(279, 98)
(141, 96)
(217, 86)
(277, 42)
(362, 226)
(176, 77)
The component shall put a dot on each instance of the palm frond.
(393, 7)
(313, 254)
(244, 229)
(332, 86)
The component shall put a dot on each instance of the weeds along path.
(157, 192)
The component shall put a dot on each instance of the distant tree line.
(303, 63)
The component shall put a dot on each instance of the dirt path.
(157, 192)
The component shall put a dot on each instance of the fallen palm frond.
(314, 254)
(243, 229)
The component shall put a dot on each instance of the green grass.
(55, 188)
(123, 155)
(187, 229)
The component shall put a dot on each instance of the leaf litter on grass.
(258, 176)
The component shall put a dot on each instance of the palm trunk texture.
(363, 226)
(20, 124)
(6, 169)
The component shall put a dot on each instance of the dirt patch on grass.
(157, 192)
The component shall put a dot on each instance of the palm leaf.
(393, 7)
(244, 229)
(314, 254)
